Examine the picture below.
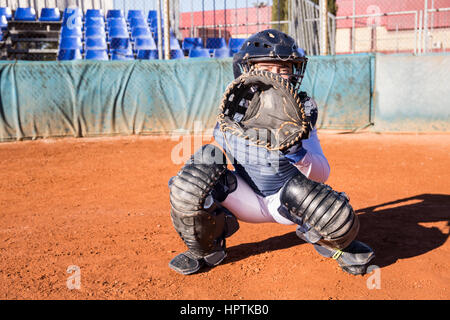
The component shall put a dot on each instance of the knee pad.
(325, 210)
(201, 223)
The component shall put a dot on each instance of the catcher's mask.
(271, 46)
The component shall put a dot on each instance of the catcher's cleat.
(354, 259)
(187, 263)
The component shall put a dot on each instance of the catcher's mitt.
(265, 109)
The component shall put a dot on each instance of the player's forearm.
(314, 166)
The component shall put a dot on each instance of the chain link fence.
(408, 26)
(226, 19)
(39, 30)
(33, 30)
(305, 26)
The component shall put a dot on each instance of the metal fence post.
(192, 18)
(323, 27)
(425, 27)
(158, 17)
(246, 14)
(214, 13)
(203, 20)
(166, 30)
(225, 19)
(279, 14)
(415, 32)
(420, 31)
(353, 27)
(235, 18)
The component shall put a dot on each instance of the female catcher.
(276, 178)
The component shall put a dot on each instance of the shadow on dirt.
(395, 230)
(399, 230)
(246, 250)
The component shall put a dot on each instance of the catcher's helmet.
(270, 45)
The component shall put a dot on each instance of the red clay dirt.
(103, 205)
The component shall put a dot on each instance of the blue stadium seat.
(153, 24)
(154, 30)
(138, 23)
(118, 33)
(234, 51)
(174, 43)
(95, 32)
(192, 43)
(95, 13)
(199, 53)
(147, 54)
(216, 43)
(120, 43)
(94, 22)
(70, 54)
(115, 14)
(97, 55)
(117, 23)
(235, 44)
(73, 22)
(135, 14)
(25, 14)
(71, 43)
(121, 55)
(6, 11)
(72, 14)
(75, 32)
(72, 17)
(222, 53)
(152, 15)
(96, 44)
(50, 14)
(140, 33)
(145, 44)
(301, 52)
(176, 54)
(123, 48)
(3, 23)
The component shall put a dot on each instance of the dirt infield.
(102, 205)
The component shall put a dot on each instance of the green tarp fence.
(412, 94)
(102, 98)
(84, 98)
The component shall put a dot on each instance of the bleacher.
(74, 35)
(26, 37)
(3, 29)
